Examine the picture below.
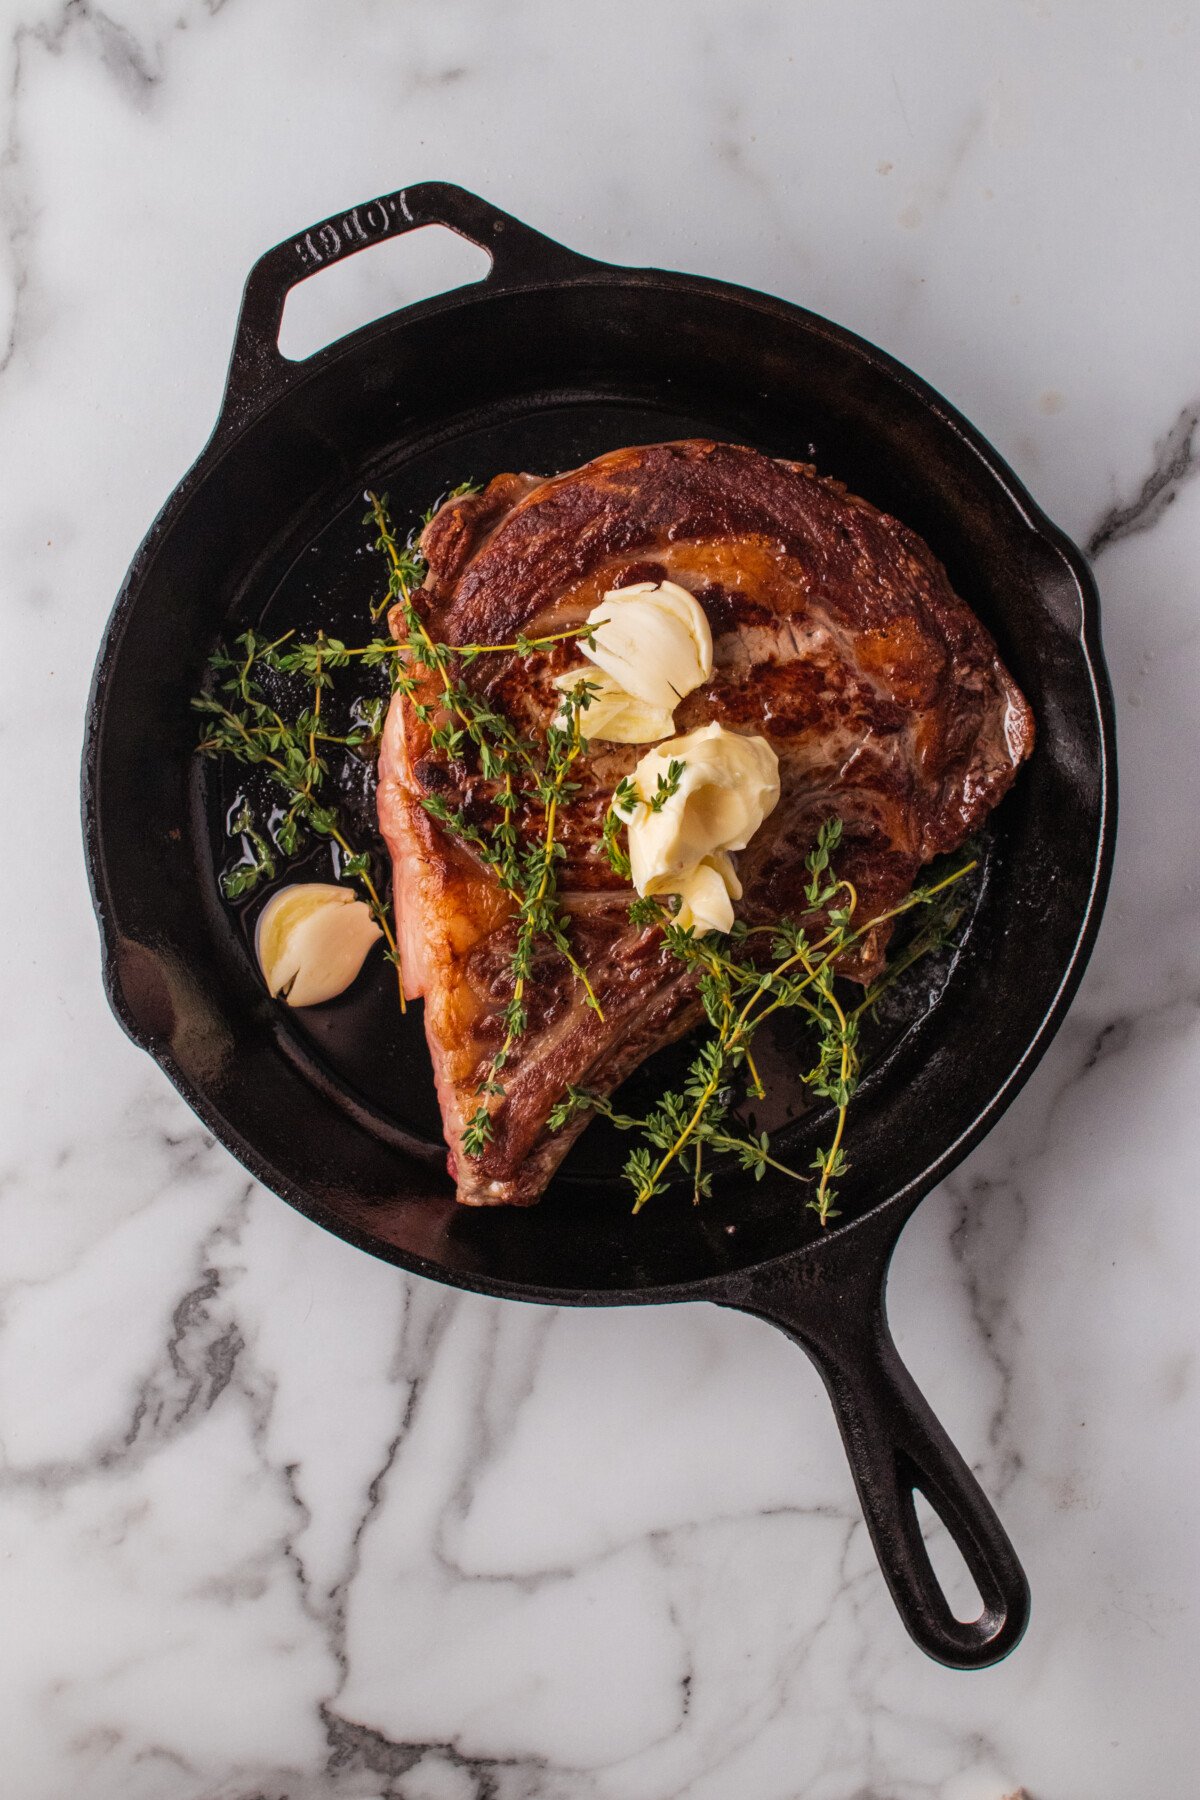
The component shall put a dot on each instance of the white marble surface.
(275, 1520)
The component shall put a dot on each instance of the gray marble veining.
(276, 1521)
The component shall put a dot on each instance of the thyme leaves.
(245, 721)
(242, 722)
(266, 706)
(739, 993)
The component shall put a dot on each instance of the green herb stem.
(687, 1125)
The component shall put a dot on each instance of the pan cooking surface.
(359, 1049)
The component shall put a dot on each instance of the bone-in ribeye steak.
(837, 637)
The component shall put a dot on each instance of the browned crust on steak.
(837, 636)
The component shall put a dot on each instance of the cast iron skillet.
(550, 360)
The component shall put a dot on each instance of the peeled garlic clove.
(706, 896)
(611, 713)
(653, 640)
(311, 940)
(684, 606)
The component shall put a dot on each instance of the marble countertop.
(277, 1521)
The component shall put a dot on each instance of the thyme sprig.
(242, 723)
(540, 916)
(627, 800)
(739, 994)
(257, 865)
(523, 773)
(529, 782)
(413, 566)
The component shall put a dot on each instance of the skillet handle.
(832, 1305)
(520, 255)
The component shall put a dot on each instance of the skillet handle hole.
(947, 1562)
(382, 278)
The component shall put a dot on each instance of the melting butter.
(729, 784)
(707, 893)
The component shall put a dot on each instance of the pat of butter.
(728, 786)
(707, 894)
(311, 940)
(650, 643)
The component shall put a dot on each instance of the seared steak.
(837, 637)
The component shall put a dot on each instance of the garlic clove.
(653, 640)
(612, 714)
(311, 940)
(678, 603)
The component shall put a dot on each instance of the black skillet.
(548, 361)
